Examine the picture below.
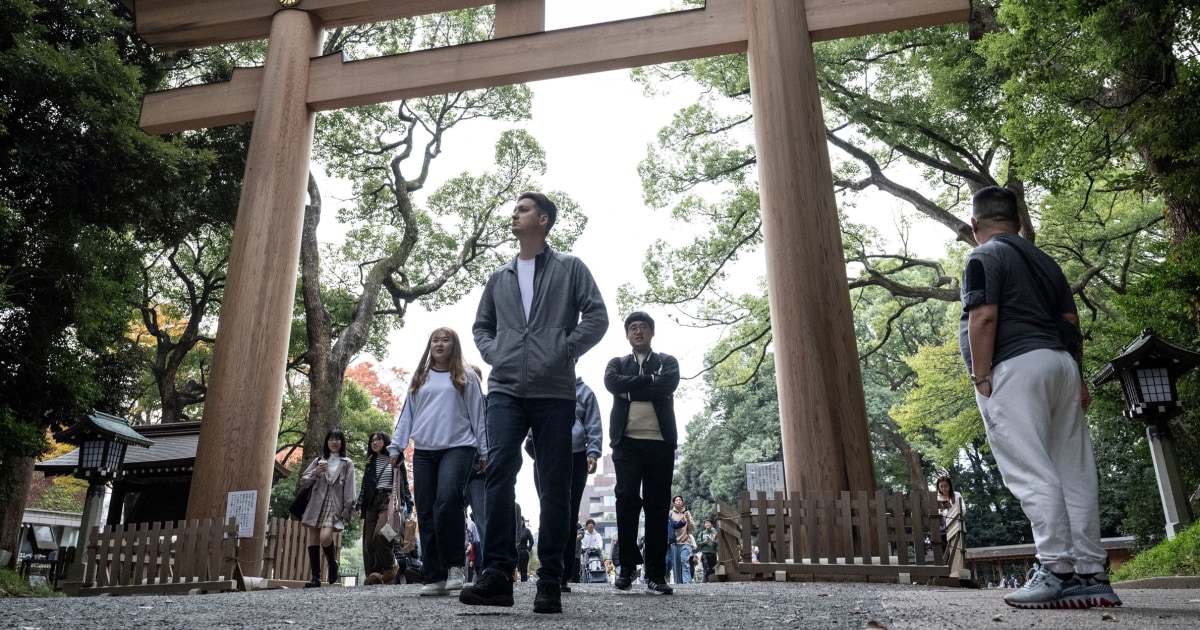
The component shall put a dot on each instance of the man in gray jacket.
(537, 316)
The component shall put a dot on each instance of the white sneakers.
(452, 583)
(435, 589)
(455, 581)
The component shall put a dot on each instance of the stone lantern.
(102, 440)
(1147, 370)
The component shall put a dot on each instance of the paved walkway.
(600, 607)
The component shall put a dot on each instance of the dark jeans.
(377, 551)
(710, 563)
(578, 483)
(523, 564)
(475, 499)
(439, 478)
(644, 470)
(509, 420)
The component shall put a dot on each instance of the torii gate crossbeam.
(823, 415)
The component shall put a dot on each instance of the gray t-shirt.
(996, 274)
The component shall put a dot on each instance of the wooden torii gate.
(824, 426)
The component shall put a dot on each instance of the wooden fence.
(285, 560)
(834, 537)
(178, 557)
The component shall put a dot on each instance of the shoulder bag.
(300, 503)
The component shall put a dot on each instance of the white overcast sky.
(595, 129)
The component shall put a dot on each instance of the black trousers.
(710, 563)
(578, 483)
(643, 470)
(523, 564)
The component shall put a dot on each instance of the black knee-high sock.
(314, 562)
(333, 565)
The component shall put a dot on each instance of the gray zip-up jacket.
(536, 358)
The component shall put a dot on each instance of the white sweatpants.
(1039, 436)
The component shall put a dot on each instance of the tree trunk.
(1182, 215)
(912, 459)
(172, 409)
(15, 476)
(323, 397)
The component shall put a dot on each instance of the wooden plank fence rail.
(161, 558)
(831, 536)
(285, 559)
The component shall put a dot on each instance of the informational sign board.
(241, 505)
(764, 477)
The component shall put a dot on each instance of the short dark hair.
(544, 205)
(995, 204)
(590, 521)
(639, 316)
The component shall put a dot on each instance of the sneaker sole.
(1070, 602)
(471, 599)
(1090, 600)
(547, 609)
(1102, 601)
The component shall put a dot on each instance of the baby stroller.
(593, 566)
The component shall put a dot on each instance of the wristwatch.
(979, 380)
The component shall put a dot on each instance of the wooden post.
(822, 411)
(236, 448)
(519, 17)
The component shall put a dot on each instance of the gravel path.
(600, 607)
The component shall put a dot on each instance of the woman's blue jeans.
(439, 478)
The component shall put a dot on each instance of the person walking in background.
(643, 436)
(681, 525)
(524, 547)
(378, 562)
(474, 496)
(950, 506)
(537, 316)
(471, 547)
(706, 545)
(591, 548)
(444, 416)
(331, 477)
(576, 560)
(1019, 336)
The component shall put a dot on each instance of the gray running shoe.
(1087, 591)
(1043, 590)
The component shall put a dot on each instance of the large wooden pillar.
(822, 411)
(236, 450)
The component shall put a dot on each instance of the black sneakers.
(565, 588)
(491, 589)
(624, 580)
(658, 588)
(548, 598)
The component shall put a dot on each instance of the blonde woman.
(444, 417)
